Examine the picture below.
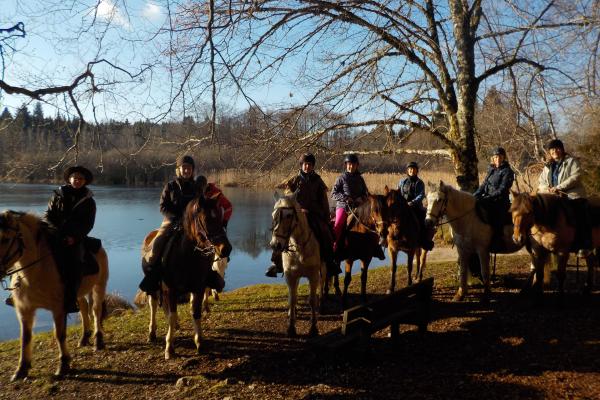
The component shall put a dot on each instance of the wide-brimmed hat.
(87, 174)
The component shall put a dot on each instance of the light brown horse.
(399, 229)
(26, 257)
(188, 267)
(543, 223)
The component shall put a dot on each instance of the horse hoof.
(63, 368)
(152, 337)
(389, 291)
(338, 292)
(291, 332)
(20, 374)
(85, 339)
(99, 342)
(170, 353)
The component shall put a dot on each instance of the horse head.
(285, 220)
(522, 210)
(11, 241)
(380, 215)
(437, 201)
(203, 224)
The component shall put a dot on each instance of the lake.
(125, 215)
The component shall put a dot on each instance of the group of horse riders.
(71, 210)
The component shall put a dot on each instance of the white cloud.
(152, 11)
(107, 10)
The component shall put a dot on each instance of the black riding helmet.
(412, 164)
(499, 151)
(351, 158)
(308, 158)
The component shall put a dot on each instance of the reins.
(351, 211)
(295, 224)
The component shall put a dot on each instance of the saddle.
(488, 213)
(88, 265)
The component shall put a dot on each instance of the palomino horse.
(400, 229)
(188, 266)
(471, 235)
(542, 222)
(301, 257)
(361, 243)
(25, 255)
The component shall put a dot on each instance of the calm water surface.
(125, 215)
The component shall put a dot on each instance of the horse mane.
(363, 212)
(36, 225)
(190, 215)
(291, 202)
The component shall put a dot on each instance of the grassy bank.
(506, 349)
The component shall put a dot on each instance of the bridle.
(287, 235)
(441, 212)
(206, 237)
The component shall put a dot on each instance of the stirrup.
(273, 270)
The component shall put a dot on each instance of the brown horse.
(400, 229)
(544, 223)
(188, 266)
(361, 243)
(26, 256)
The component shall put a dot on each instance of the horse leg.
(421, 262)
(394, 258)
(590, 261)
(196, 305)
(26, 319)
(60, 334)
(205, 306)
(336, 285)
(484, 261)
(539, 257)
(153, 304)
(84, 312)
(99, 308)
(347, 280)
(292, 283)
(463, 259)
(410, 255)
(561, 273)
(171, 305)
(313, 299)
(364, 270)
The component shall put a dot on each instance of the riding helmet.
(555, 144)
(499, 151)
(412, 164)
(351, 158)
(308, 158)
(185, 160)
(87, 174)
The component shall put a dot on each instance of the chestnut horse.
(544, 223)
(301, 257)
(26, 256)
(400, 229)
(188, 265)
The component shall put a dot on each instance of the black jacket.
(311, 193)
(175, 197)
(497, 183)
(72, 211)
(349, 186)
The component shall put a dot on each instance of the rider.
(562, 176)
(72, 212)
(311, 194)
(412, 189)
(211, 191)
(494, 193)
(173, 200)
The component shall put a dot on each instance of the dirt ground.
(507, 349)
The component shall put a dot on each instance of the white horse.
(25, 255)
(471, 235)
(301, 257)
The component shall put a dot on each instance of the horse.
(471, 235)
(26, 256)
(301, 257)
(187, 266)
(361, 243)
(219, 266)
(543, 223)
(400, 230)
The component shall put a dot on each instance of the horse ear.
(442, 184)
(386, 190)
(514, 193)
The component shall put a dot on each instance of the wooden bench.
(410, 306)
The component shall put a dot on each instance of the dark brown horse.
(544, 222)
(188, 266)
(361, 243)
(401, 230)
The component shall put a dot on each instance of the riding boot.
(9, 301)
(584, 228)
(497, 242)
(215, 281)
(71, 305)
(276, 266)
(151, 282)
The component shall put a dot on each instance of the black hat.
(87, 174)
(499, 151)
(412, 164)
(555, 144)
(351, 158)
(185, 160)
(308, 158)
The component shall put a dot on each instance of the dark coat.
(175, 197)
(311, 193)
(72, 212)
(496, 185)
(412, 190)
(349, 186)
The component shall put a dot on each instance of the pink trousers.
(339, 225)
